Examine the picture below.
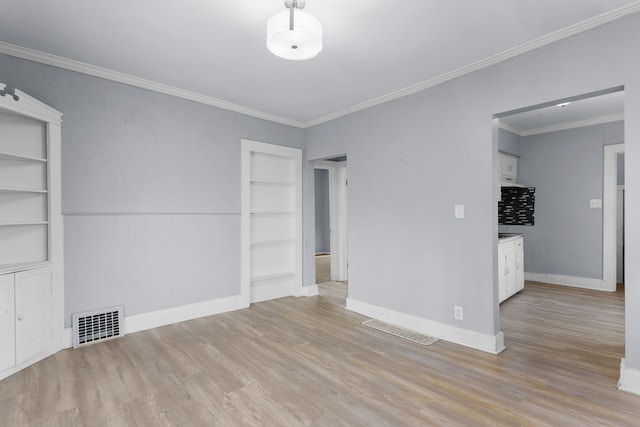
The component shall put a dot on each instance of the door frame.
(609, 204)
(337, 216)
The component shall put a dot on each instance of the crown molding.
(116, 76)
(555, 36)
(92, 70)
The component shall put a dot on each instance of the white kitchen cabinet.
(508, 167)
(7, 322)
(510, 267)
(519, 258)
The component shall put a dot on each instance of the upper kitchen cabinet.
(31, 258)
(508, 168)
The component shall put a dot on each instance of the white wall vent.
(97, 325)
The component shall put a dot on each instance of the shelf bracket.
(10, 91)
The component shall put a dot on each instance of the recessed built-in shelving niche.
(274, 221)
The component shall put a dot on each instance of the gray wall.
(150, 190)
(323, 240)
(566, 168)
(412, 159)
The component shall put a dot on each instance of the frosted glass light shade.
(303, 42)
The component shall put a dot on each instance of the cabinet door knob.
(20, 318)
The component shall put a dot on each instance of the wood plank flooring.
(308, 361)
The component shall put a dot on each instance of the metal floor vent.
(97, 325)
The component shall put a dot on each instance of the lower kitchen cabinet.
(510, 267)
(26, 316)
(519, 243)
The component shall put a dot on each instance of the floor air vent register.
(98, 325)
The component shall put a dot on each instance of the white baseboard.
(12, 370)
(67, 338)
(629, 379)
(154, 319)
(488, 343)
(572, 281)
(309, 291)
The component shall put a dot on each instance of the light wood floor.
(308, 361)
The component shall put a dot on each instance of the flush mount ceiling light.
(294, 34)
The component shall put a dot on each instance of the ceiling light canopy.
(294, 34)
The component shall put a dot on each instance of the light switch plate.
(595, 203)
(459, 211)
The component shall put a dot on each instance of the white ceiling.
(214, 50)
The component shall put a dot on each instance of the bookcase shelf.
(18, 157)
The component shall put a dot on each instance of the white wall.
(412, 159)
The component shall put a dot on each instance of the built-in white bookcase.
(31, 258)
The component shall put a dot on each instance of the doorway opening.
(330, 176)
(570, 152)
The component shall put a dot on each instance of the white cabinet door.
(519, 263)
(503, 270)
(33, 313)
(509, 167)
(506, 270)
(7, 323)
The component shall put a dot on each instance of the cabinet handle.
(20, 318)
(517, 266)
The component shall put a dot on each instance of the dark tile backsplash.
(517, 206)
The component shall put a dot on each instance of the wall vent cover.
(98, 325)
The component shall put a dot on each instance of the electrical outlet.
(458, 211)
(458, 313)
(595, 203)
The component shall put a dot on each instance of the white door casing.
(610, 184)
(337, 217)
(271, 221)
(620, 234)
